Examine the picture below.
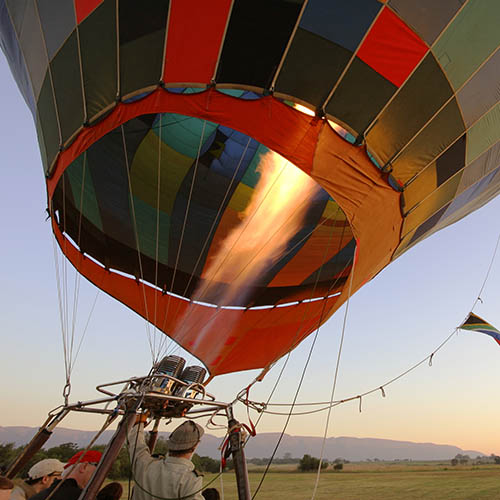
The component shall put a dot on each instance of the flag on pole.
(476, 324)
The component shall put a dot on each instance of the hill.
(262, 445)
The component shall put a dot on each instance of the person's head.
(6, 486)
(184, 439)
(211, 494)
(43, 473)
(81, 466)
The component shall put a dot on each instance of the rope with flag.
(476, 324)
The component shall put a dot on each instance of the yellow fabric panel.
(333, 212)
(144, 172)
(241, 198)
(438, 199)
(404, 245)
(421, 187)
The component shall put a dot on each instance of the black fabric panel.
(426, 17)
(48, 120)
(420, 98)
(256, 38)
(107, 166)
(68, 87)
(428, 224)
(344, 23)
(58, 21)
(311, 68)
(135, 130)
(451, 161)
(437, 135)
(98, 50)
(142, 40)
(360, 96)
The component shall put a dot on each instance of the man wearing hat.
(76, 475)
(173, 476)
(40, 477)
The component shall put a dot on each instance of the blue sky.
(393, 322)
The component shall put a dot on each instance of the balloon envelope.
(152, 118)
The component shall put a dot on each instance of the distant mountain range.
(262, 445)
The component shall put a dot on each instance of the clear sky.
(393, 322)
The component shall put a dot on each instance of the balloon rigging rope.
(334, 384)
(207, 239)
(158, 192)
(136, 234)
(186, 213)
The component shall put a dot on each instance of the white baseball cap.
(45, 468)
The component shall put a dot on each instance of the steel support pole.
(240, 464)
(109, 456)
(39, 439)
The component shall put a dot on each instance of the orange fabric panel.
(370, 204)
(193, 47)
(276, 125)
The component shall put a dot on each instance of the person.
(40, 477)
(6, 486)
(76, 475)
(211, 494)
(173, 476)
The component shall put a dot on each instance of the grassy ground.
(429, 481)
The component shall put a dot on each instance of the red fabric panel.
(195, 33)
(84, 7)
(281, 128)
(391, 48)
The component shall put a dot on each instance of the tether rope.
(334, 385)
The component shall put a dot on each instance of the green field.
(385, 481)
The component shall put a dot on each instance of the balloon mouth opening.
(166, 199)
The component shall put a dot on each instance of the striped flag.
(476, 324)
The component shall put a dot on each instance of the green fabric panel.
(413, 106)
(89, 206)
(68, 87)
(33, 47)
(58, 20)
(41, 143)
(361, 94)
(311, 68)
(251, 176)
(183, 133)
(442, 131)
(469, 40)
(484, 134)
(231, 92)
(146, 220)
(48, 120)
(98, 49)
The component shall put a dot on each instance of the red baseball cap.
(90, 456)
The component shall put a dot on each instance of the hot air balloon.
(153, 118)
